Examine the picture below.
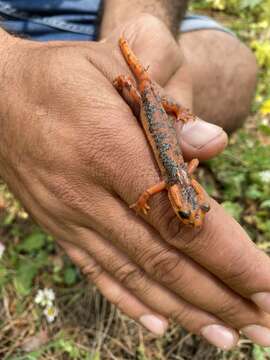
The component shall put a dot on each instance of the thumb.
(155, 47)
(200, 139)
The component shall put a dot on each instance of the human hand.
(75, 155)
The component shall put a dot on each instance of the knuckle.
(166, 267)
(131, 277)
(118, 301)
(181, 315)
(237, 272)
(92, 270)
(228, 311)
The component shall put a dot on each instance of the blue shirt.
(70, 19)
(52, 19)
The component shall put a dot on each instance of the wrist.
(117, 12)
(7, 45)
(114, 14)
(6, 41)
(7, 67)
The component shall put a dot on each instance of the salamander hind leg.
(127, 88)
(173, 108)
(142, 203)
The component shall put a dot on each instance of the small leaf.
(253, 192)
(24, 277)
(249, 3)
(70, 276)
(265, 204)
(33, 242)
(265, 129)
(258, 353)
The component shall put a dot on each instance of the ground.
(31, 260)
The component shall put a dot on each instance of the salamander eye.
(184, 214)
(205, 207)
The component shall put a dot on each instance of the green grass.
(87, 327)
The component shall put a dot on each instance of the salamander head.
(186, 205)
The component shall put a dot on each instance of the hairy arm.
(116, 12)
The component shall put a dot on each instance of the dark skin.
(68, 185)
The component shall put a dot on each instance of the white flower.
(265, 176)
(50, 312)
(2, 249)
(265, 122)
(39, 297)
(45, 297)
(49, 293)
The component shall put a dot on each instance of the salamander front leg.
(200, 192)
(192, 166)
(127, 88)
(173, 108)
(141, 204)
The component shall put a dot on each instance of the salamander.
(155, 112)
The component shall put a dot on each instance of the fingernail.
(199, 133)
(220, 336)
(262, 299)
(258, 334)
(154, 324)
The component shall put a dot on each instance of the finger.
(115, 292)
(222, 247)
(64, 233)
(240, 263)
(194, 320)
(163, 264)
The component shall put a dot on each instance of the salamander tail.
(136, 67)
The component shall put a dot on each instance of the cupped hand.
(74, 154)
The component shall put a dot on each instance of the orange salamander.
(185, 193)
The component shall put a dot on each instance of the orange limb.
(192, 166)
(133, 62)
(141, 204)
(198, 188)
(127, 88)
(201, 195)
(180, 112)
